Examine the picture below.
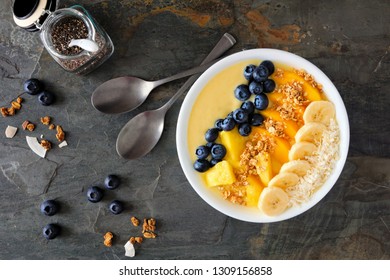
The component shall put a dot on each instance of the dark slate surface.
(348, 40)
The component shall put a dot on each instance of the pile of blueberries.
(259, 84)
(94, 194)
(34, 87)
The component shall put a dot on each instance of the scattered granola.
(4, 111)
(108, 239)
(52, 126)
(134, 221)
(24, 124)
(30, 127)
(274, 127)
(10, 111)
(60, 133)
(45, 120)
(46, 144)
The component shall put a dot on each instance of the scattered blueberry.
(201, 165)
(242, 92)
(260, 74)
(112, 182)
(218, 151)
(94, 194)
(269, 85)
(46, 98)
(240, 115)
(214, 161)
(116, 207)
(248, 71)
(256, 120)
(255, 87)
(269, 65)
(218, 124)
(228, 124)
(32, 86)
(51, 231)
(248, 106)
(202, 152)
(211, 134)
(49, 207)
(261, 101)
(244, 129)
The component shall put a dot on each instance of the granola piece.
(132, 240)
(16, 105)
(46, 144)
(45, 120)
(4, 111)
(52, 126)
(274, 127)
(149, 234)
(11, 111)
(19, 100)
(139, 239)
(108, 239)
(30, 127)
(134, 221)
(149, 225)
(24, 124)
(60, 133)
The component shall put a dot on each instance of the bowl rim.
(245, 213)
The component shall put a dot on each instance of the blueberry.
(49, 207)
(230, 115)
(210, 145)
(202, 152)
(112, 182)
(244, 129)
(46, 98)
(218, 124)
(269, 85)
(201, 165)
(51, 231)
(214, 161)
(218, 151)
(228, 124)
(260, 74)
(242, 92)
(261, 101)
(240, 115)
(211, 134)
(94, 194)
(116, 207)
(248, 71)
(269, 65)
(255, 87)
(248, 106)
(32, 86)
(256, 120)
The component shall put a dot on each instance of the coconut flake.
(63, 144)
(10, 131)
(35, 146)
(130, 251)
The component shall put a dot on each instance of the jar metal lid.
(31, 14)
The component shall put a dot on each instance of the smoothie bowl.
(262, 135)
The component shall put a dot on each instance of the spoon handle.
(225, 43)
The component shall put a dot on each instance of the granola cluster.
(108, 239)
(15, 106)
(274, 127)
(148, 229)
(309, 78)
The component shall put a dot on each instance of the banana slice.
(310, 132)
(273, 201)
(284, 180)
(319, 111)
(301, 150)
(298, 167)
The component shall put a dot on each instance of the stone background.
(349, 40)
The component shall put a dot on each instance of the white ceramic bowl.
(215, 199)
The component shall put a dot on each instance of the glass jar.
(58, 27)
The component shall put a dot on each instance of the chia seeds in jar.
(59, 27)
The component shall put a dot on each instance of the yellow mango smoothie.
(265, 139)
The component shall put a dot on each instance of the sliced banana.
(301, 150)
(310, 132)
(284, 180)
(319, 111)
(273, 201)
(298, 167)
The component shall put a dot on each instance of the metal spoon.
(139, 136)
(124, 94)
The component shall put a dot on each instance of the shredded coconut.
(322, 165)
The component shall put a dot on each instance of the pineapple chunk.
(264, 167)
(221, 174)
(234, 144)
(253, 190)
